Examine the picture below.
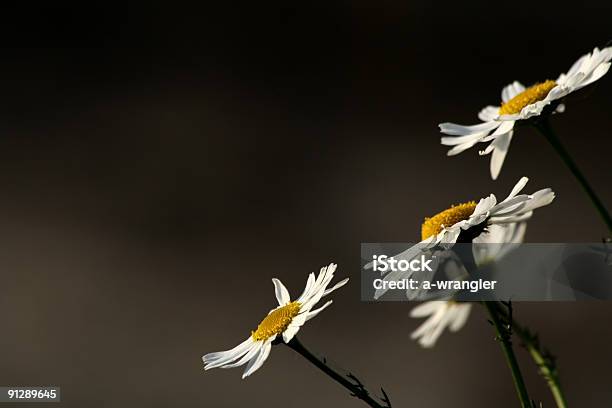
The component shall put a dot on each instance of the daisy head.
(284, 322)
(520, 103)
(484, 223)
(470, 221)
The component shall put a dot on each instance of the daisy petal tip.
(428, 345)
(288, 336)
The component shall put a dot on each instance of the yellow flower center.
(530, 95)
(433, 226)
(276, 322)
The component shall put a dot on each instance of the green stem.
(547, 369)
(503, 334)
(551, 378)
(546, 129)
(349, 381)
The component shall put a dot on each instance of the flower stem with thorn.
(348, 381)
(543, 359)
(504, 334)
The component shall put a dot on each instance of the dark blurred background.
(159, 164)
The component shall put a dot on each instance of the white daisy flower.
(284, 320)
(490, 226)
(472, 222)
(520, 103)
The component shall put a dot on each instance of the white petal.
(282, 294)
(426, 308)
(336, 286)
(257, 362)
(487, 150)
(462, 147)
(577, 66)
(540, 198)
(217, 359)
(510, 206)
(430, 338)
(255, 348)
(309, 285)
(461, 130)
(597, 73)
(294, 327)
(462, 313)
(313, 313)
(511, 219)
(451, 235)
(320, 286)
(499, 153)
(484, 205)
(489, 113)
(505, 127)
(458, 140)
(518, 187)
(289, 333)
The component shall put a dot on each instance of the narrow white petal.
(484, 205)
(511, 219)
(462, 313)
(336, 286)
(212, 357)
(430, 338)
(309, 285)
(488, 113)
(503, 128)
(488, 150)
(518, 187)
(281, 292)
(247, 357)
(597, 73)
(257, 362)
(320, 287)
(461, 130)
(458, 140)
(315, 312)
(426, 308)
(290, 332)
(461, 148)
(429, 324)
(577, 66)
(499, 153)
(451, 236)
(214, 360)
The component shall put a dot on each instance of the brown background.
(159, 165)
